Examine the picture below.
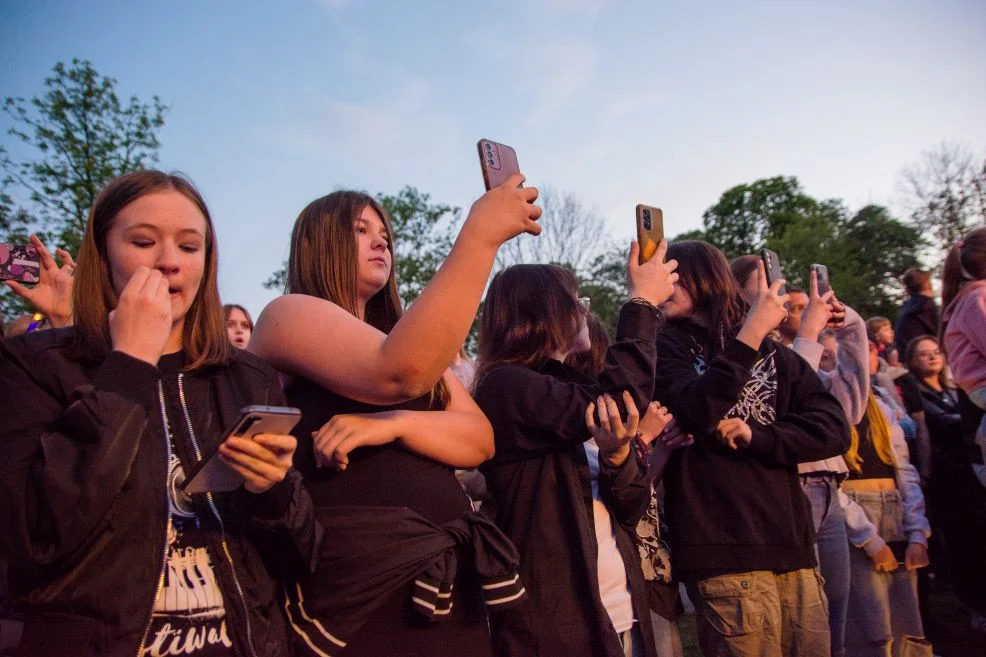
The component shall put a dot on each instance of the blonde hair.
(879, 435)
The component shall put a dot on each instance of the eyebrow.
(193, 231)
(364, 222)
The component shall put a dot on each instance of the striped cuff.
(503, 593)
(432, 598)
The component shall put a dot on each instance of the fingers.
(813, 284)
(19, 290)
(47, 262)
(761, 277)
(633, 416)
(517, 180)
(603, 410)
(775, 289)
(280, 444)
(590, 417)
(634, 259)
(261, 467)
(662, 252)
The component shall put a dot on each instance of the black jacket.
(918, 316)
(743, 510)
(540, 480)
(83, 497)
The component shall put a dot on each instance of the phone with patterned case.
(20, 262)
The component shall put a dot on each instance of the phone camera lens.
(647, 220)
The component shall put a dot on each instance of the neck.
(932, 381)
(560, 355)
(175, 339)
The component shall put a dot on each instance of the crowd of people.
(761, 447)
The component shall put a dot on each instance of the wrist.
(617, 457)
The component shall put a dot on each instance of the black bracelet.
(640, 301)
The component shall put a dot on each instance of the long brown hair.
(911, 356)
(706, 275)
(93, 296)
(531, 313)
(591, 362)
(965, 262)
(324, 262)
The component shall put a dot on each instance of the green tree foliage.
(605, 283)
(69, 142)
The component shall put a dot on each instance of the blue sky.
(666, 103)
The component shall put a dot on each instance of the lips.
(382, 261)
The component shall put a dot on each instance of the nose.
(167, 258)
(379, 243)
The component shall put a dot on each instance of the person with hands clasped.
(741, 528)
(100, 421)
(567, 501)
(886, 524)
(385, 423)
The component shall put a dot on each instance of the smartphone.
(497, 161)
(772, 265)
(20, 263)
(650, 230)
(822, 276)
(212, 474)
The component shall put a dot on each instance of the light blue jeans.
(832, 550)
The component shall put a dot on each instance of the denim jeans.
(761, 614)
(832, 550)
(884, 618)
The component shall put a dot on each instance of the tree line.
(78, 134)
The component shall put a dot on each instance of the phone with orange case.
(650, 230)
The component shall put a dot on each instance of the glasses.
(929, 354)
(585, 303)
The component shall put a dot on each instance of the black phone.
(212, 474)
(772, 265)
(498, 162)
(822, 277)
(20, 262)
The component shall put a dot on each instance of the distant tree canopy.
(69, 142)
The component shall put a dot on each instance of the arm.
(861, 531)
(850, 382)
(459, 436)
(909, 484)
(814, 426)
(302, 335)
(625, 490)
(63, 464)
(535, 412)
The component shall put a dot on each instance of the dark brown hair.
(531, 313)
(915, 280)
(706, 275)
(966, 261)
(324, 262)
(228, 308)
(911, 354)
(743, 267)
(93, 296)
(591, 362)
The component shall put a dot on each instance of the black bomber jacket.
(83, 497)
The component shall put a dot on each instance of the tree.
(605, 283)
(946, 193)
(572, 235)
(76, 137)
(746, 216)
(424, 233)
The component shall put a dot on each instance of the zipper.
(215, 512)
(167, 530)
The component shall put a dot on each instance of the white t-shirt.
(609, 563)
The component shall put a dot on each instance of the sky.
(668, 103)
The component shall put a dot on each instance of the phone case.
(822, 276)
(650, 230)
(20, 263)
(212, 474)
(497, 161)
(772, 265)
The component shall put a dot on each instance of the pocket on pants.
(731, 603)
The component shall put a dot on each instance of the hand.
(263, 460)
(838, 318)
(52, 295)
(654, 280)
(344, 433)
(818, 313)
(734, 433)
(674, 438)
(766, 313)
(503, 212)
(655, 421)
(884, 560)
(612, 437)
(916, 556)
(141, 322)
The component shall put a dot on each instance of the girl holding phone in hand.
(99, 423)
(741, 528)
(567, 502)
(385, 424)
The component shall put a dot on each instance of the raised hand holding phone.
(818, 314)
(52, 295)
(141, 323)
(768, 309)
(653, 280)
(503, 213)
